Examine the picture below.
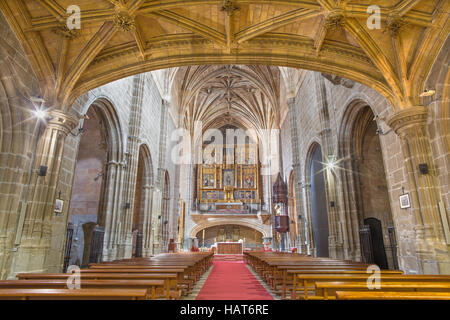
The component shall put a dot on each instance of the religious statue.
(277, 209)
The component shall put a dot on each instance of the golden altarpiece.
(230, 183)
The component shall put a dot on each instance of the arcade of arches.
(175, 122)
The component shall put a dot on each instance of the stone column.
(310, 245)
(328, 154)
(134, 141)
(126, 235)
(297, 175)
(112, 209)
(147, 225)
(431, 248)
(33, 234)
(156, 213)
(267, 240)
(162, 169)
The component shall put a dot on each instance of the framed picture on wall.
(59, 204)
(404, 201)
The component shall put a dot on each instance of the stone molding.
(409, 118)
(62, 121)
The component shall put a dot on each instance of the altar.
(229, 248)
(231, 183)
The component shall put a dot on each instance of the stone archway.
(88, 186)
(143, 204)
(103, 123)
(252, 238)
(265, 230)
(317, 201)
(364, 180)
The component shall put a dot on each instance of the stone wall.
(341, 96)
(18, 84)
(115, 99)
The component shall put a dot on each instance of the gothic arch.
(143, 203)
(357, 129)
(110, 201)
(316, 200)
(113, 128)
(148, 164)
(246, 223)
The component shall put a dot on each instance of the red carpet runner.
(231, 280)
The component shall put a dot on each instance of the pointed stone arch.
(142, 215)
(363, 178)
(266, 232)
(316, 200)
(113, 170)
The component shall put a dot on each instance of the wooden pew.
(189, 271)
(327, 290)
(197, 262)
(150, 286)
(66, 294)
(306, 279)
(179, 271)
(357, 295)
(170, 279)
(280, 276)
(165, 271)
(290, 273)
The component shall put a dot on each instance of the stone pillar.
(267, 240)
(147, 226)
(328, 154)
(33, 240)
(156, 213)
(112, 209)
(283, 242)
(306, 188)
(301, 232)
(126, 235)
(134, 141)
(162, 170)
(193, 242)
(431, 248)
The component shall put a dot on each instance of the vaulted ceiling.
(246, 96)
(119, 38)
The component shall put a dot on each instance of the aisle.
(231, 280)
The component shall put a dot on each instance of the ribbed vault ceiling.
(119, 38)
(246, 96)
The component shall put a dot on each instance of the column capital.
(62, 121)
(115, 163)
(409, 118)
